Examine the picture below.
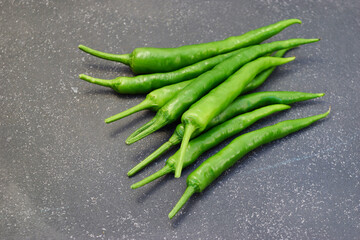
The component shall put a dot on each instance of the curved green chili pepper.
(214, 166)
(157, 98)
(173, 109)
(152, 60)
(148, 82)
(240, 105)
(212, 138)
(199, 115)
(161, 98)
(178, 134)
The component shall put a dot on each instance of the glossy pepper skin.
(212, 138)
(171, 90)
(152, 60)
(179, 132)
(173, 109)
(157, 98)
(148, 82)
(199, 115)
(214, 166)
(240, 105)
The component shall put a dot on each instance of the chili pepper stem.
(190, 190)
(139, 130)
(174, 140)
(146, 104)
(150, 158)
(98, 81)
(156, 123)
(189, 129)
(163, 171)
(123, 58)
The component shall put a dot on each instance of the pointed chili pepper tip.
(325, 114)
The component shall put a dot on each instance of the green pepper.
(153, 60)
(240, 105)
(148, 82)
(200, 114)
(173, 109)
(212, 138)
(214, 166)
(157, 98)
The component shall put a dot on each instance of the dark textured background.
(63, 171)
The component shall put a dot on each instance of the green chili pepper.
(148, 82)
(212, 138)
(178, 134)
(173, 109)
(152, 60)
(199, 115)
(214, 166)
(240, 105)
(160, 97)
(157, 98)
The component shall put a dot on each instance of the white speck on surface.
(75, 89)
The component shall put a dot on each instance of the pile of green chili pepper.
(205, 86)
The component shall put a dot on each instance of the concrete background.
(63, 170)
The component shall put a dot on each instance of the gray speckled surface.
(63, 171)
